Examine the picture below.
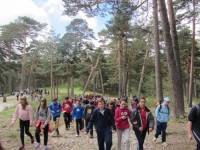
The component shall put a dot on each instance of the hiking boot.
(164, 144)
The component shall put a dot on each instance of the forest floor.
(9, 137)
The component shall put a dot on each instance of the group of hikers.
(106, 117)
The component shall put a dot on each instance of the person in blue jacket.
(162, 114)
(78, 114)
(55, 109)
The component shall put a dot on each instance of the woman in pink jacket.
(122, 115)
(24, 113)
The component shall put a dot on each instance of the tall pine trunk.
(177, 87)
(159, 90)
(191, 81)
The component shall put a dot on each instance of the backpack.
(161, 108)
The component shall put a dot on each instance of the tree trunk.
(142, 73)
(159, 90)
(177, 87)
(91, 74)
(72, 86)
(23, 66)
(101, 80)
(68, 87)
(192, 58)
(51, 75)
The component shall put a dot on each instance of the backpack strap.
(198, 109)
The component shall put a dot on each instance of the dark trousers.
(37, 134)
(161, 130)
(196, 133)
(24, 125)
(67, 119)
(104, 136)
(140, 137)
(79, 125)
(86, 124)
(55, 121)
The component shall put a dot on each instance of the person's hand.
(190, 136)
(123, 117)
(141, 129)
(150, 129)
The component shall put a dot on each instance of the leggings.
(24, 125)
(37, 134)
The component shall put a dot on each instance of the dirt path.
(177, 140)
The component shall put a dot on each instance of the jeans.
(24, 125)
(123, 139)
(140, 135)
(79, 125)
(161, 130)
(104, 138)
(67, 119)
(86, 124)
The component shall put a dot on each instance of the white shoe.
(37, 145)
(164, 144)
(154, 139)
(77, 135)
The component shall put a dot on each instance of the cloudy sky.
(47, 11)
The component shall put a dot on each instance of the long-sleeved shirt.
(43, 115)
(78, 112)
(119, 122)
(162, 113)
(55, 108)
(23, 114)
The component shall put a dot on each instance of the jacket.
(78, 112)
(89, 109)
(162, 113)
(136, 119)
(55, 109)
(101, 120)
(67, 107)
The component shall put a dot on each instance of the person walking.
(24, 112)
(67, 108)
(194, 124)
(122, 115)
(55, 109)
(103, 120)
(142, 121)
(77, 115)
(42, 123)
(162, 114)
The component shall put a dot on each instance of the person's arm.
(156, 111)
(117, 116)
(190, 130)
(48, 116)
(92, 120)
(151, 122)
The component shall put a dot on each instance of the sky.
(45, 11)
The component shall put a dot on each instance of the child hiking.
(42, 123)
(25, 114)
(55, 109)
(162, 115)
(142, 121)
(122, 114)
(77, 115)
(103, 120)
(67, 107)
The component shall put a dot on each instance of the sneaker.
(164, 144)
(77, 135)
(36, 145)
(46, 148)
(91, 136)
(21, 148)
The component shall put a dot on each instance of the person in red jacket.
(67, 107)
(122, 115)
